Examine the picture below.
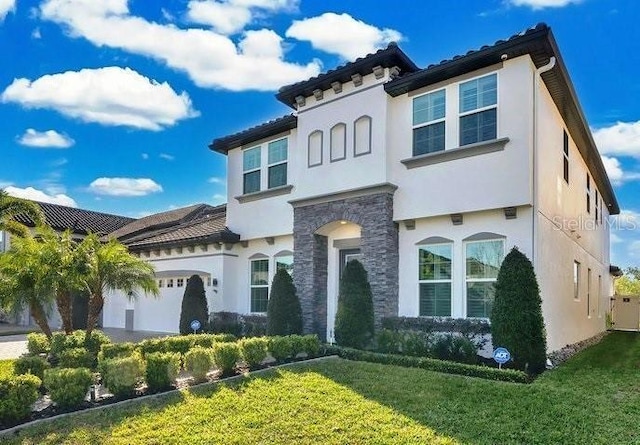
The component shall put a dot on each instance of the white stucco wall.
(163, 313)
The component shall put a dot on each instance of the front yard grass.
(594, 398)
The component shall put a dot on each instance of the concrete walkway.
(13, 346)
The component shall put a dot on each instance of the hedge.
(162, 370)
(506, 375)
(18, 394)
(34, 365)
(38, 343)
(68, 386)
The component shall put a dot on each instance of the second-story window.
(251, 170)
(565, 156)
(429, 123)
(478, 110)
(588, 193)
(277, 163)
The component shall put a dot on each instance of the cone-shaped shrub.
(354, 318)
(194, 305)
(284, 315)
(516, 318)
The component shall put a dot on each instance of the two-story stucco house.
(428, 176)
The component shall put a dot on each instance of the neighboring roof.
(388, 57)
(540, 44)
(79, 221)
(191, 225)
(262, 131)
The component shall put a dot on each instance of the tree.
(10, 207)
(284, 315)
(194, 305)
(108, 267)
(516, 318)
(629, 283)
(354, 318)
(23, 280)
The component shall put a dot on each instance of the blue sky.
(109, 105)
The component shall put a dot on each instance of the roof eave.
(224, 144)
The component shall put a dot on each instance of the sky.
(110, 105)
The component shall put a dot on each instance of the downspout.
(534, 226)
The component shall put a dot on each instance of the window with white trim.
(482, 263)
(429, 123)
(565, 156)
(277, 159)
(259, 281)
(160, 283)
(170, 282)
(434, 278)
(180, 282)
(589, 292)
(576, 280)
(479, 110)
(588, 193)
(251, 170)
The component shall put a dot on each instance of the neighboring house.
(179, 243)
(428, 176)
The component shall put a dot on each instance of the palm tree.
(10, 207)
(23, 280)
(110, 266)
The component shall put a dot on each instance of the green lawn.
(594, 398)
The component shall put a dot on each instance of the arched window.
(362, 136)
(338, 142)
(315, 149)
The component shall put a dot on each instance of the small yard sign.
(195, 325)
(501, 356)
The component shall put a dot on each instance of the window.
(208, 281)
(589, 292)
(428, 123)
(588, 193)
(259, 285)
(576, 280)
(434, 277)
(478, 110)
(277, 163)
(565, 158)
(251, 168)
(285, 262)
(338, 142)
(362, 136)
(170, 282)
(160, 283)
(483, 259)
(180, 282)
(314, 150)
(599, 296)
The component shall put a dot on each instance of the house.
(428, 176)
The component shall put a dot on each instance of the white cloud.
(634, 249)
(219, 199)
(342, 34)
(36, 34)
(210, 59)
(6, 6)
(124, 186)
(615, 172)
(627, 220)
(541, 4)
(39, 195)
(216, 180)
(108, 96)
(45, 139)
(622, 139)
(145, 156)
(166, 157)
(232, 16)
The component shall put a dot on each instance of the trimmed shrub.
(122, 375)
(455, 348)
(254, 325)
(416, 344)
(254, 350)
(284, 315)
(485, 372)
(225, 357)
(113, 350)
(516, 317)
(34, 365)
(179, 343)
(68, 387)
(61, 342)
(297, 345)
(76, 358)
(208, 340)
(389, 341)
(226, 323)
(280, 348)
(311, 345)
(94, 342)
(354, 317)
(198, 362)
(38, 343)
(162, 370)
(18, 394)
(194, 305)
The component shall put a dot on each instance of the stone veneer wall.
(379, 246)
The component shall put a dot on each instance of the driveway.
(13, 346)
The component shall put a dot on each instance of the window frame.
(428, 123)
(565, 156)
(180, 282)
(577, 269)
(479, 110)
(246, 172)
(253, 286)
(478, 280)
(284, 162)
(436, 281)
